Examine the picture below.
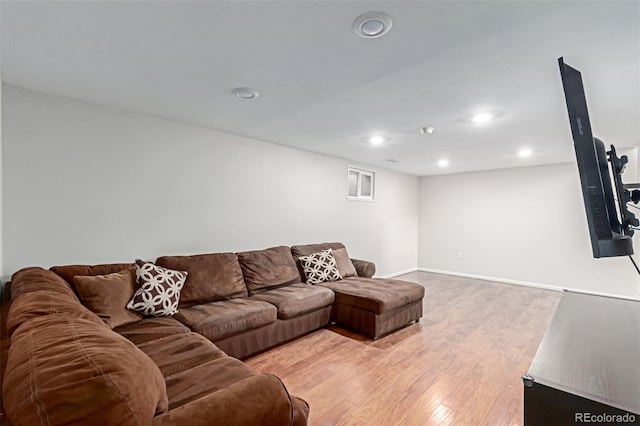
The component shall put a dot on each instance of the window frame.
(361, 172)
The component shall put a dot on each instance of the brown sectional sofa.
(67, 366)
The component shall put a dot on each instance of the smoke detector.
(372, 25)
(245, 93)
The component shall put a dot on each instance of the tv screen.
(605, 198)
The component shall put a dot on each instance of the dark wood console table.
(587, 365)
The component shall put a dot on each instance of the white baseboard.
(396, 274)
(525, 283)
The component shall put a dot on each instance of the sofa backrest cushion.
(211, 277)
(268, 268)
(67, 272)
(39, 303)
(32, 279)
(36, 292)
(107, 296)
(66, 370)
(345, 267)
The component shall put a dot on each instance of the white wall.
(90, 184)
(526, 224)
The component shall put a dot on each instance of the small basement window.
(361, 184)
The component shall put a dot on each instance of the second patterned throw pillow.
(320, 267)
(158, 290)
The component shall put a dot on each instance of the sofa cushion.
(36, 292)
(158, 290)
(345, 266)
(67, 272)
(212, 277)
(260, 399)
(107, 296)
(298, 251)
(205, 379)
(150, 329)
(39, 303)
(28, 280)
(376, 295)
(320, 267)
(296, 299)
(268, 268)
(66, 370)
(307, 249)
(217, 320)
(179, 352)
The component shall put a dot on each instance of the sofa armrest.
(300, 411)
(364, 268)
(260, 399)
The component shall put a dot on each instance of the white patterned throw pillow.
(320, 267)
(159, 290)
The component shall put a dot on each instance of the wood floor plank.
(340, 413)
(461, 364)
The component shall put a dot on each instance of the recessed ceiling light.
(427, 130)
(482, 117)
(443, 162)
(524, 153)
(372, 25)
(376, 140)
(245, 93)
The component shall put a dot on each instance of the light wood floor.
(460, 365)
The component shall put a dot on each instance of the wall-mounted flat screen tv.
(605, 196)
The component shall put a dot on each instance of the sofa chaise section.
(374, 306)
(370, 306)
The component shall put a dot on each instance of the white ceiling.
(324, 89)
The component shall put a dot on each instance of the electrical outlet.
(459, 254)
